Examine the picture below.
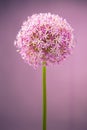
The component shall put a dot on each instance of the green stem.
(44, 96)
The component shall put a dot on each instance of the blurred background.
(20, 84)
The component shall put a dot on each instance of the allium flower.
(44, 37)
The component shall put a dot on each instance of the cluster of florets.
(44, 37)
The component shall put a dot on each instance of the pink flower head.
(44, 37)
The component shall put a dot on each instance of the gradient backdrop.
(20, 84)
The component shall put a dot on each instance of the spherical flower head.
(44, 38)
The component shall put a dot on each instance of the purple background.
(20, 84)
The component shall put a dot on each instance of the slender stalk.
(44, 105)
